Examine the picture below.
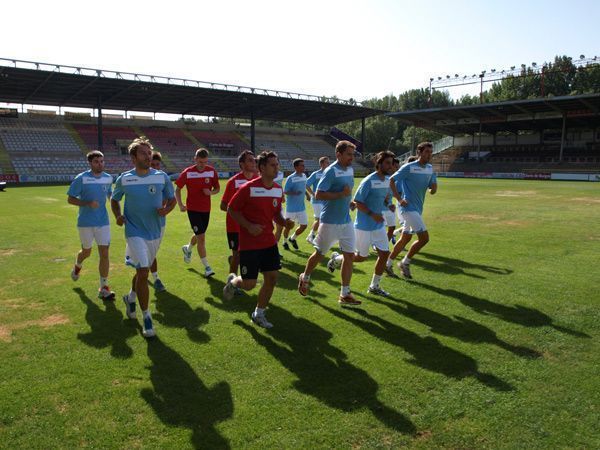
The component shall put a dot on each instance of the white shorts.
(390, 218)
(87, 236)
(365, 239)
(299, 217)
(413, 222)
(317, 208)
(329, 233)
(399, 215)
(140, 253)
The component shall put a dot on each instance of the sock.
(293, 237)
(147, 314)
(79, 266)
(103, 282)
(132, 296)
(259, 311)
(406, 260)
(237, 282)
(155, 276)
(375, 280)
(388, 263)
(345, 291)
(339, 259)
(305, 277)
(204, 261)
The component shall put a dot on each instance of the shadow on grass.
(521, 315)
(454, 266)
(107, 327)
(427, 352)
(458, 327)
(322, 369)
(180, 398)
(173, 311)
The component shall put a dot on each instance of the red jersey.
(258, 205)
(196, 181)
(232, 186)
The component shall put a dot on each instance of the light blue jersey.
(295, 183)
(372, 191)
(312, 182)
(334, 179)
(87, 187)
(413, 180)
(143, 196)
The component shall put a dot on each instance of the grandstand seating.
(49, 165)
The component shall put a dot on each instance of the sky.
(350, 49)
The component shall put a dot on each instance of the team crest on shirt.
(105, 188)
(275, 203)
(244, 270)
(152, 189)
(207, 180)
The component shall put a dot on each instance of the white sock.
(146, 313)
(259, 311)
(375, 280)
(406, 260)
(388, 263)
(345, 291)
(237, 281)
(132, 296)
(79, 266)
(305, 277)
(293, 237)
(204, 261)
(339, 259)
(155, 276)
(103, 282)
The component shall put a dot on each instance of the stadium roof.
(542, 113)
(26, 82)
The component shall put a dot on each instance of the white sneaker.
(187, 254)
(229, 289)
(378, 291)
(75, 273)
(208, 272)
(405, 268)
(389, 269)
(331, 262)
(261, 320)
(129, 307)
(148, 328)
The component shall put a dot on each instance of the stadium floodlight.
(431, 79)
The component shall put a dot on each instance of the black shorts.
(263, 260)
(198, 221)
(233, 240)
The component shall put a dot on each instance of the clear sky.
(352, 49)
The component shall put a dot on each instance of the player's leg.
(86, 237)
(323, 242)
(379, 240)
(347, 240)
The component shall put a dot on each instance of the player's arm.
(377, 217)
(433, 188)
(168, 207)
(115, 207)
(182, 207)
(78, 202)
(394, 190)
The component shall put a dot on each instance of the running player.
(372, 196)
(90, 190)
(389, 213)
(247, 172)
(202, 181)
(335, 188)
(255, 206)
(412, 181)
(158, 285)
(295, 208)
(145, 191)
(278, 228)
(311, 188)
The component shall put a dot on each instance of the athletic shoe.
(331, 262)
(348, 301)
(377, 291)
(75, 273)
(294, 243)
(405, 268)
(229, 289)
(285, 245)
(261, 320)
(208, 272)
(148, 328)
(159, 286)
(187, 254)
(105, 293)
(390, 270)
(238, 291)
(129, 307)
(303, 285)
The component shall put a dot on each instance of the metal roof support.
(479, 144)
(413, 141)
(362, 135)
(252, 130)
(562, 137)
(100, 143)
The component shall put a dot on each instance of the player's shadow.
(107, 327)
(458, 327)
(322, 370)
(457, 266)
(427, 352)
(518, 314)
(173, 311)
(180, 398)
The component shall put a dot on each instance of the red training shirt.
(258, 205)
(232, 186)
(196, 181)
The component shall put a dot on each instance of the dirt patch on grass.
(474, 217)
(45, 199)
(45, 322)
(19, 303)
(587, 200)
(515, 193)
(8, 251)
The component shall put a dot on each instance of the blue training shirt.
(295, 183)
(334, 178)
(88, 187)
(372, 191)
(143, 196)
(312, 182)
(413, 180)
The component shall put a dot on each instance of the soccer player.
(372, 196)
(247, 172)
(335, 188)
(413, 180)
(254, 207)
(278, 228)
(389, 213)
(90, 190)
(295, 208)
(148, 197)
(202, 181)
(311, 188)
(158, 285)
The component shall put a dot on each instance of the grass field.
(493, 344)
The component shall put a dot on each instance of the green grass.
(494, 344)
